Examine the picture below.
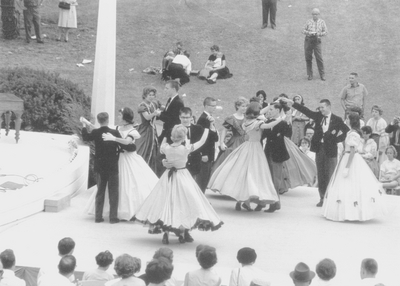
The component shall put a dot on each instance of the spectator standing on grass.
(103, 260)
(67, 20)
(378, 125)
(326, 271)
(269, 7)
(353, 94)
(31, 17)
(314, 30)
(263, 98)
(8, 278)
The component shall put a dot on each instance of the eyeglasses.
(309, 133)
(214, 105)
(185, 117)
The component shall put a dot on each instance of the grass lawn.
(363, 37)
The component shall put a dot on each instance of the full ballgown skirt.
(300, 169)
(238, 137)
(357, 197)
(176, 201)
(245, 173)
(136, 180)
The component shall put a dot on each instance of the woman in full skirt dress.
(176, 203)
(233, 124)
(67, 20)
(245, 174)
(147, 144)
(353, 192)
(136, 179)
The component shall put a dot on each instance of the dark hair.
(215, 48)
(277, 105)
(326, 269)
(186, 53)
(147, 90)
(7, 258)
(354, 120)
(67, 264)
(207, 257)
(283, 95)
(367, 129)
(127, 115)
(185, 110)
(305, 140)
(158, 270)
(67, 244)
(199, 248)
(326, 101)
(262, 92)
(377, 108)
(301, 98)
(355, 109)
(164, 252)
(104, 259)
(253, 110)
(125, 265)
(208, 100)
(173, 84)
(370, 265)
(246, 255)
(255, 99)
(354, 73)
(102, 117)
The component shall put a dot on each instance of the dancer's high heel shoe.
(247, 207)
(181, 239)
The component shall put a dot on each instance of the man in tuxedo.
(394, 130)
(170, 114)
(208, 150)
(276, 152)
(329, 130)
(105, 165)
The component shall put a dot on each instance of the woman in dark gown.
(147, 144)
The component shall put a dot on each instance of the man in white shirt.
(7, 258)
(180, 68)
(66, 269)
(368, 271)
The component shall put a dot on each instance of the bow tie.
(324, 120)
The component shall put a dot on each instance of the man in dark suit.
(269, 7)
(276, 152)
(170, 114)
(329, 130)
(106, 166)
(208, 150)
(394, 130)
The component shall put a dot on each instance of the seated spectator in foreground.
(369, 150)
(248, 273)
(205, 276)
(302, 275)
(393, 129)
(159, 271)
(180, 68)
(390, 170)
(66, 269)
(126, 266)
(8, 277)
(219, 72)
(326, 271)
(66, 246)
(103, 260)
(170, 55)
(369, 269)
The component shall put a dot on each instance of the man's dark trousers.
(325, 168)
(269, 7)
(109, 179)
(313, 44)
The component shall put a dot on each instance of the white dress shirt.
(9, 279)
(184, 61)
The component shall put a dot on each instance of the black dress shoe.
(182, 239)
(310, 77)
(40, 42)
(321, 202)
(273, 27)
(259, 208)
(188, 237)
(246, 207)
(271, 209)
(114, 220)
(264, 26)
(165, 239)
(323, 78)
(238, 207)
(98, 220)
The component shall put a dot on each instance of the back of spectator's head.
(67, 244)
(125, 265)
(253, 110)
(7, 258)
(369, 268)
(261, 92)
(199, 248)
(178, 133)
(127, 115)
(302, 274)
(326, 269)
(102, 118)
(214, 48)
(246, 255)
(255, 99)
(207, 257)
(67, 265)
(173, 84)
(164, 252)
(159, 270)
(104, 259)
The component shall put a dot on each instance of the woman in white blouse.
(369, 150)
(390, 169)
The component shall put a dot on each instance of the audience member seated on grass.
(170, 55)
(7, 259)
(180, 68)
(66, 246)
(302, 275)
(369, 269)
(248, 273)
(206, 275)
(390, 170)
(166, 253)
(66, 269)
(219, 72)
(103, 260)
(126, 266)
(370, 150)
(159, 271)
(326, 271)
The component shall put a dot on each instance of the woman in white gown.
(136, 179)
(353, 192)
